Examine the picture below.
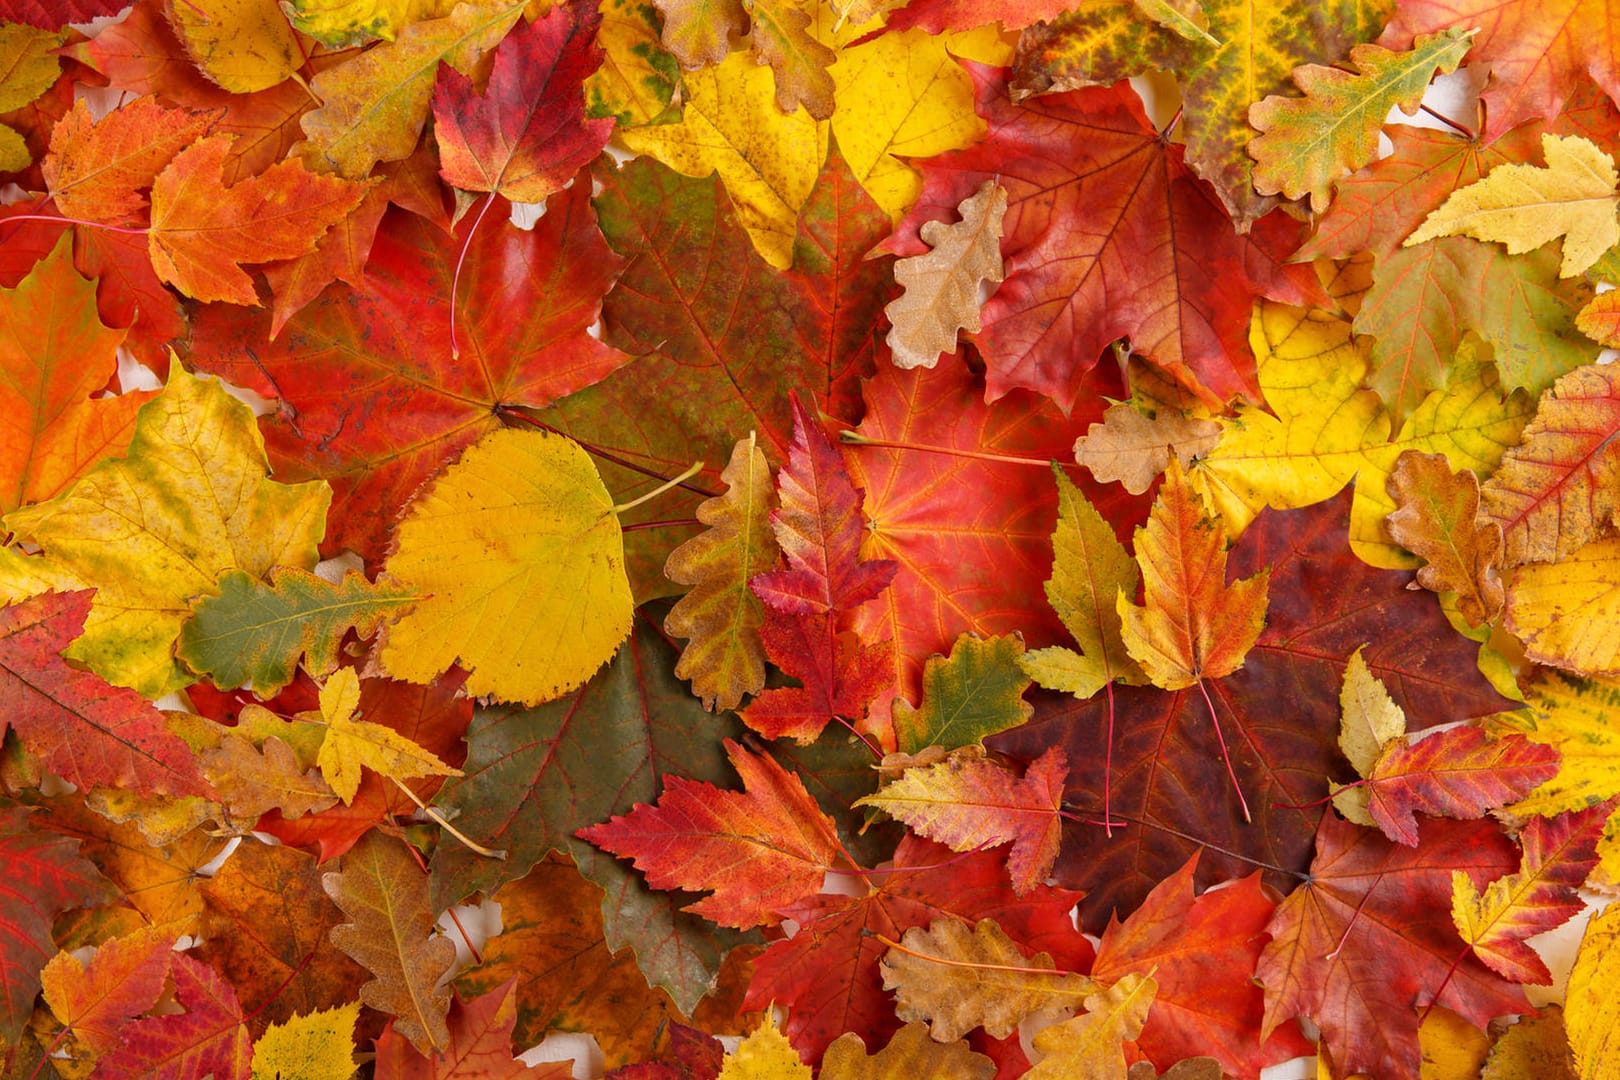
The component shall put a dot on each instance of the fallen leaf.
(1565, 613)
(1134, 449)
(909, 1054)
(208, 1037)
(942, 287)
(480, 1046)
(1089, 1047)
(1459, 773)
(764, 1054)
(1438, 518)
(351, 744)
(242, 45)
(1589, 1009)
(124, 979)
(317, 1045)
(974, 693)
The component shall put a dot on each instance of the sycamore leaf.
(254, 632)
(96, 170)
(1191, 624)
(202, 231)
(764, 1054)
(1134, 449)
(310, 1046)
(1567, 613)
(721, 616)
(241, 45)
(518, 549)
(1438, 518)
(968, 802)
(124, 979)
(1525, 206)
(942, 287)
(1591, 1010)
(958, 977)
(342, 23)
(352, 743)
(1088, 1047)
(1556, 857)
(1308, 144)
(390, 931)
(526, 135)
(1459, 773)
(183, 507)
(755, 851)
(767, 159)
(373, 105)
(974, 693)
(1559, 489)
(480, 1046)
(909, 1054)
(55, 355)
(208, 1037)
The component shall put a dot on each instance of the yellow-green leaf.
(637, 77)
(1526, 206)
(310, 1046)
(972, 694)
(518, 548)
(242, 45)
(27, 70)
(352, 743)
(342, 23)
(1369, 718)
(1090, 1046)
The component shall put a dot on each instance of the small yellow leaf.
(1089, 1047)
(1591, 1007)
(241, 45)
(1525, 206)
(518, 548)
(765, 1055)
(313, 1046)
(1368, 720)
(351, 743)
(910, 1055)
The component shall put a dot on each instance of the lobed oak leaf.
(1090, 1046)
(123, 980)
(974, 693)
(943, 286)
(1191, 623)
(527, 134)
(202, 231)
(721, 616)
(208, 1037)
(755, 851)
(1557, 854)
(342, 23)
(351, 744)
(390, 931)
(784, 39)
(317, 1045)
(480, 1046)
(968, 802)
(1438, 518)
(909, 1054)
(1134, 449)
(1559, 488)
(1590, 1011)
(1564, 613)
(698, 31)
(958, 977)
(1459, 773)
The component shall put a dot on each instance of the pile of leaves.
(1091, 510)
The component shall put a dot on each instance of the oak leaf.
(909, 1054)
(527, 134)
(1134, 449)
(390, 931)
(1525, 206)
(480, 1046)
(517, 547)
(784, 39)
(317, 1045)
(755, 851)
(1590, 1010)
(958, 977)
(724, 657)
(1438, 518)
(1090, 1046)
(241, 45)
(942, 287)
(974, 693)
(123, 980)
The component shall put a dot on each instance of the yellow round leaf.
(520, 548)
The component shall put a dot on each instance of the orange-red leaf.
(1192, 624)
(1457, 773)
(756, 851)
(480, 1046)
(1437, 517)
(96, 171)
(123, 980)
(208, 1037)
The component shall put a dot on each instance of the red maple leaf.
(1108, 234)
(55, 14)
(480, 1046)
(1460, 773)
(1367, 941)
(208, 1037)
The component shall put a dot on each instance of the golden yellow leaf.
(1535, 1048)
(242, 45)
(1525, 206)
(519, 548)
(1591, 1007)
(768, 159)
(765, 1055)
(1368, 719)
(342, 23)
(941, 286)
(352, 743)
(310, 1046)
(1574, 715)
(156, 528)
(1567, 613)
(637, 77)
(1134, 448)
(1453, 1048)
(27, 70)
(1088, 1047)
(910, 1055)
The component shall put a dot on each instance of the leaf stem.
(855, 438)
(891, 943)
(444, 823)
(692, 470)
(455, 280)
(1108, 768)
(513, 412)
(1449, 122)
(1228, 852)
(670, 523)
(76, 221)
(1225, 757)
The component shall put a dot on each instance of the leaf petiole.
(444, 823)
(695, 468)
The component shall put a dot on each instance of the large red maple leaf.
(1108, 234)
(370, 394)
(1280, 714)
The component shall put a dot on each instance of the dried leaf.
(1438, 517)
(1088, 1047)
(942, 287)
(1134, 449)
(909, 1054)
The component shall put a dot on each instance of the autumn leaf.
(910, 1053)
(764, 1054)
(1438, 517)
(351, 743)
(242, 45)
(341, 23)
(975, 692)
(480, 1046)
(30, 70)
(1134, 449)
(942, 287)
(97, 170)
(1090, 1045)
(208, 1037)
(1564, 613)
(317, 1046)
(384, 894)
(637, 78)
(124, 979)
(1589, 1010)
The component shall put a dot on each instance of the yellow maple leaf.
(156, 528)
(519, 550)
(318, 1045)
(352, 743)
(1591, 1007)
(1525, 206)
(1090, 1046)
(765, 1054)
(28, 67)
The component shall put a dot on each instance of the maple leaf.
(974, 693)
(1589, 1009)
(480, 1046)
(910, 1053)
(754, 851)
(85, 731)
(1202, 951)
(351, 744)
(958, 977)
(96, 170)
(31, 69)
(1090, 1045)
(58, 13)
(124, 979)
(59, 429)
(969, 802)
(209, 1037)
(318, 1046)
(45, 875)
(942, 287)
(1324, 604)
(827, 975)
(764, 1054)
(391, 341)
(527, 135)
(385, 896)
(1438, 518)
(1557, 855)
(1134, 449)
